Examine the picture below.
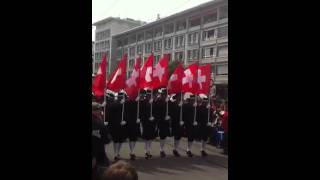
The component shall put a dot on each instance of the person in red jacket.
(224, 117)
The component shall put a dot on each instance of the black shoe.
(175, 153)
(162, 154)
(132, 157)
(146, 156)
(189, 153)
(116, 158)
(203, 154)
(150, 156)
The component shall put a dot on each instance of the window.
(156, 60)
(223, 32)
(213, 69)
(119, 53)
(119, 43)
(222, 69)
(168, 43)
(168, 28)
(210, 17)
(194, 22)
(158, 32)
(132, 51)
(193, 38)
(178, 56)
(223, 51)
(208, 52)
(148, 47)
(179, 42)
(132, 39)
(170, 58)
(208, 35)
(157, 45)
(125, 41)
(131, 63)
(193, 54)
(139, 49)
(149, 34)
(140, 37)
(223, 12)
(96, 67)
(125, 50)
(181, 25)
(97, 56)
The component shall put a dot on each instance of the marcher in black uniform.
(189, 123)
(130, 117)
(116, 126)
(177, 127)
(161, 120)
(148, 124)
(203, 123)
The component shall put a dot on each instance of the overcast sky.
(144, 10)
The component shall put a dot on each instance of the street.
(212, 167)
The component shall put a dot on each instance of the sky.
(144, 10)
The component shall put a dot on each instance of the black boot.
(162, 154)
(132, 157)
(176, 153)
(189, 153)
(203, 154)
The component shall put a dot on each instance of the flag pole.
(151, 97)
(138, 113)
(181, 107)
(123, 96)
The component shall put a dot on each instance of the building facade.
(105, 29)
(197, 34)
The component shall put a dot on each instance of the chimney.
(158, 16)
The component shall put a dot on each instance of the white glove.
(103, 104)
(180, 103)
(106, 123)
(138, 121)
(181, 123)
(194, 104)
(167, 99)
(122, 101)
(195, 123)
(167, 118)
(151, 118)
(123, 123)
(151, 101)
(208, 106)
(209, 124)
(137, 98)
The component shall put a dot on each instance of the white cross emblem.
(158, 72)
(201, 79)
(132, 80)
(148, 74)
(173, 77)
(99, 71)
(188, 78)
(118, 73)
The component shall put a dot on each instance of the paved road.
(213, 167)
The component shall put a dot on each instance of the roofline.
(116, 19)
(171, 16)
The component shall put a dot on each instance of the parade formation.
(150, 104)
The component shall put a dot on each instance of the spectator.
(120, 171)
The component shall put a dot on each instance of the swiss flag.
(132, 84)
(99, 83)
(189, 79)
(145, 80)
(203, 79)
(175, 81)
(160, 73)
(118, 77)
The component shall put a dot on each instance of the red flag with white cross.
(118, 77)
(145, 79)
(99, 83)
(175, 80)
(189, 79)
(203, 79)
(132, 84)
(160, 73)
